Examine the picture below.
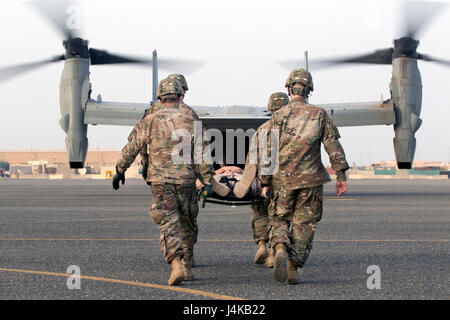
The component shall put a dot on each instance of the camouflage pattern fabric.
(155, 132)
(174, 209)
(303, 127)
(294, 215)
(300, 76)
(260, 220)
(297, 187)
(154, 107)
(188, 208)
(277, 100)
(143, 153)
(183, 107)
(169, 87)
(255, 149)
(180, 78)
(188, 223)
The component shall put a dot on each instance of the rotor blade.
(417, 14)
(181, 66)
(9, 72)
(425, 57)
(102, 57)
(65, 15)
(383, 56)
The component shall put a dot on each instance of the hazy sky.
(241, 42)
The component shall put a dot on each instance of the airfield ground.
(402, 226)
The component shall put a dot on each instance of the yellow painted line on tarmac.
(218, 240)
(132, 283)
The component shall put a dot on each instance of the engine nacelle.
(406, 91)
(74, 93)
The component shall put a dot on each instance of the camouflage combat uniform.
(260, 218)
(174, 197)
(183, 107)
(297, 186)
(154, 107)
(189, 225)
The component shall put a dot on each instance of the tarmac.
(400, 226)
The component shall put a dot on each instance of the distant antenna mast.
(306, 61)
(155, 75)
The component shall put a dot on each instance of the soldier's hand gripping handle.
(117, 178)
(265, 193)
(206, 191)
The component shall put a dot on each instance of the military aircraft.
(79, 109)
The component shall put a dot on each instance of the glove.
(116, 179)
(144, 172)
(206, 191)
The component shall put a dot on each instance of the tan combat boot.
(271, 258)
(177, 274)
(280, 266)
(261, 254)
(292, 273)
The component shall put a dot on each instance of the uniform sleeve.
(265, 178)
(139, 140)
(143, 153)
(204, 172)
(265, 129)
(151, 109)
(330, 140)
(195, 116)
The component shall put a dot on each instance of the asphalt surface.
(46, 226)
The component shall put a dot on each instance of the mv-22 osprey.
(78, 110)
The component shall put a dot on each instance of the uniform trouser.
(294, 215)
(260, 220)
(175, 210)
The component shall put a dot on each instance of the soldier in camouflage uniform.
(189, 222)
(174, 197)
(297, 187)
(157, 106)
(260, 218)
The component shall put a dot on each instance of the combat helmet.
(277, 100)
(169, 88)
(302, 77)
(180, 78)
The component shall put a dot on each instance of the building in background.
(101, 164)
(37, 163)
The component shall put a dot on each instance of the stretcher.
(229, 200)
